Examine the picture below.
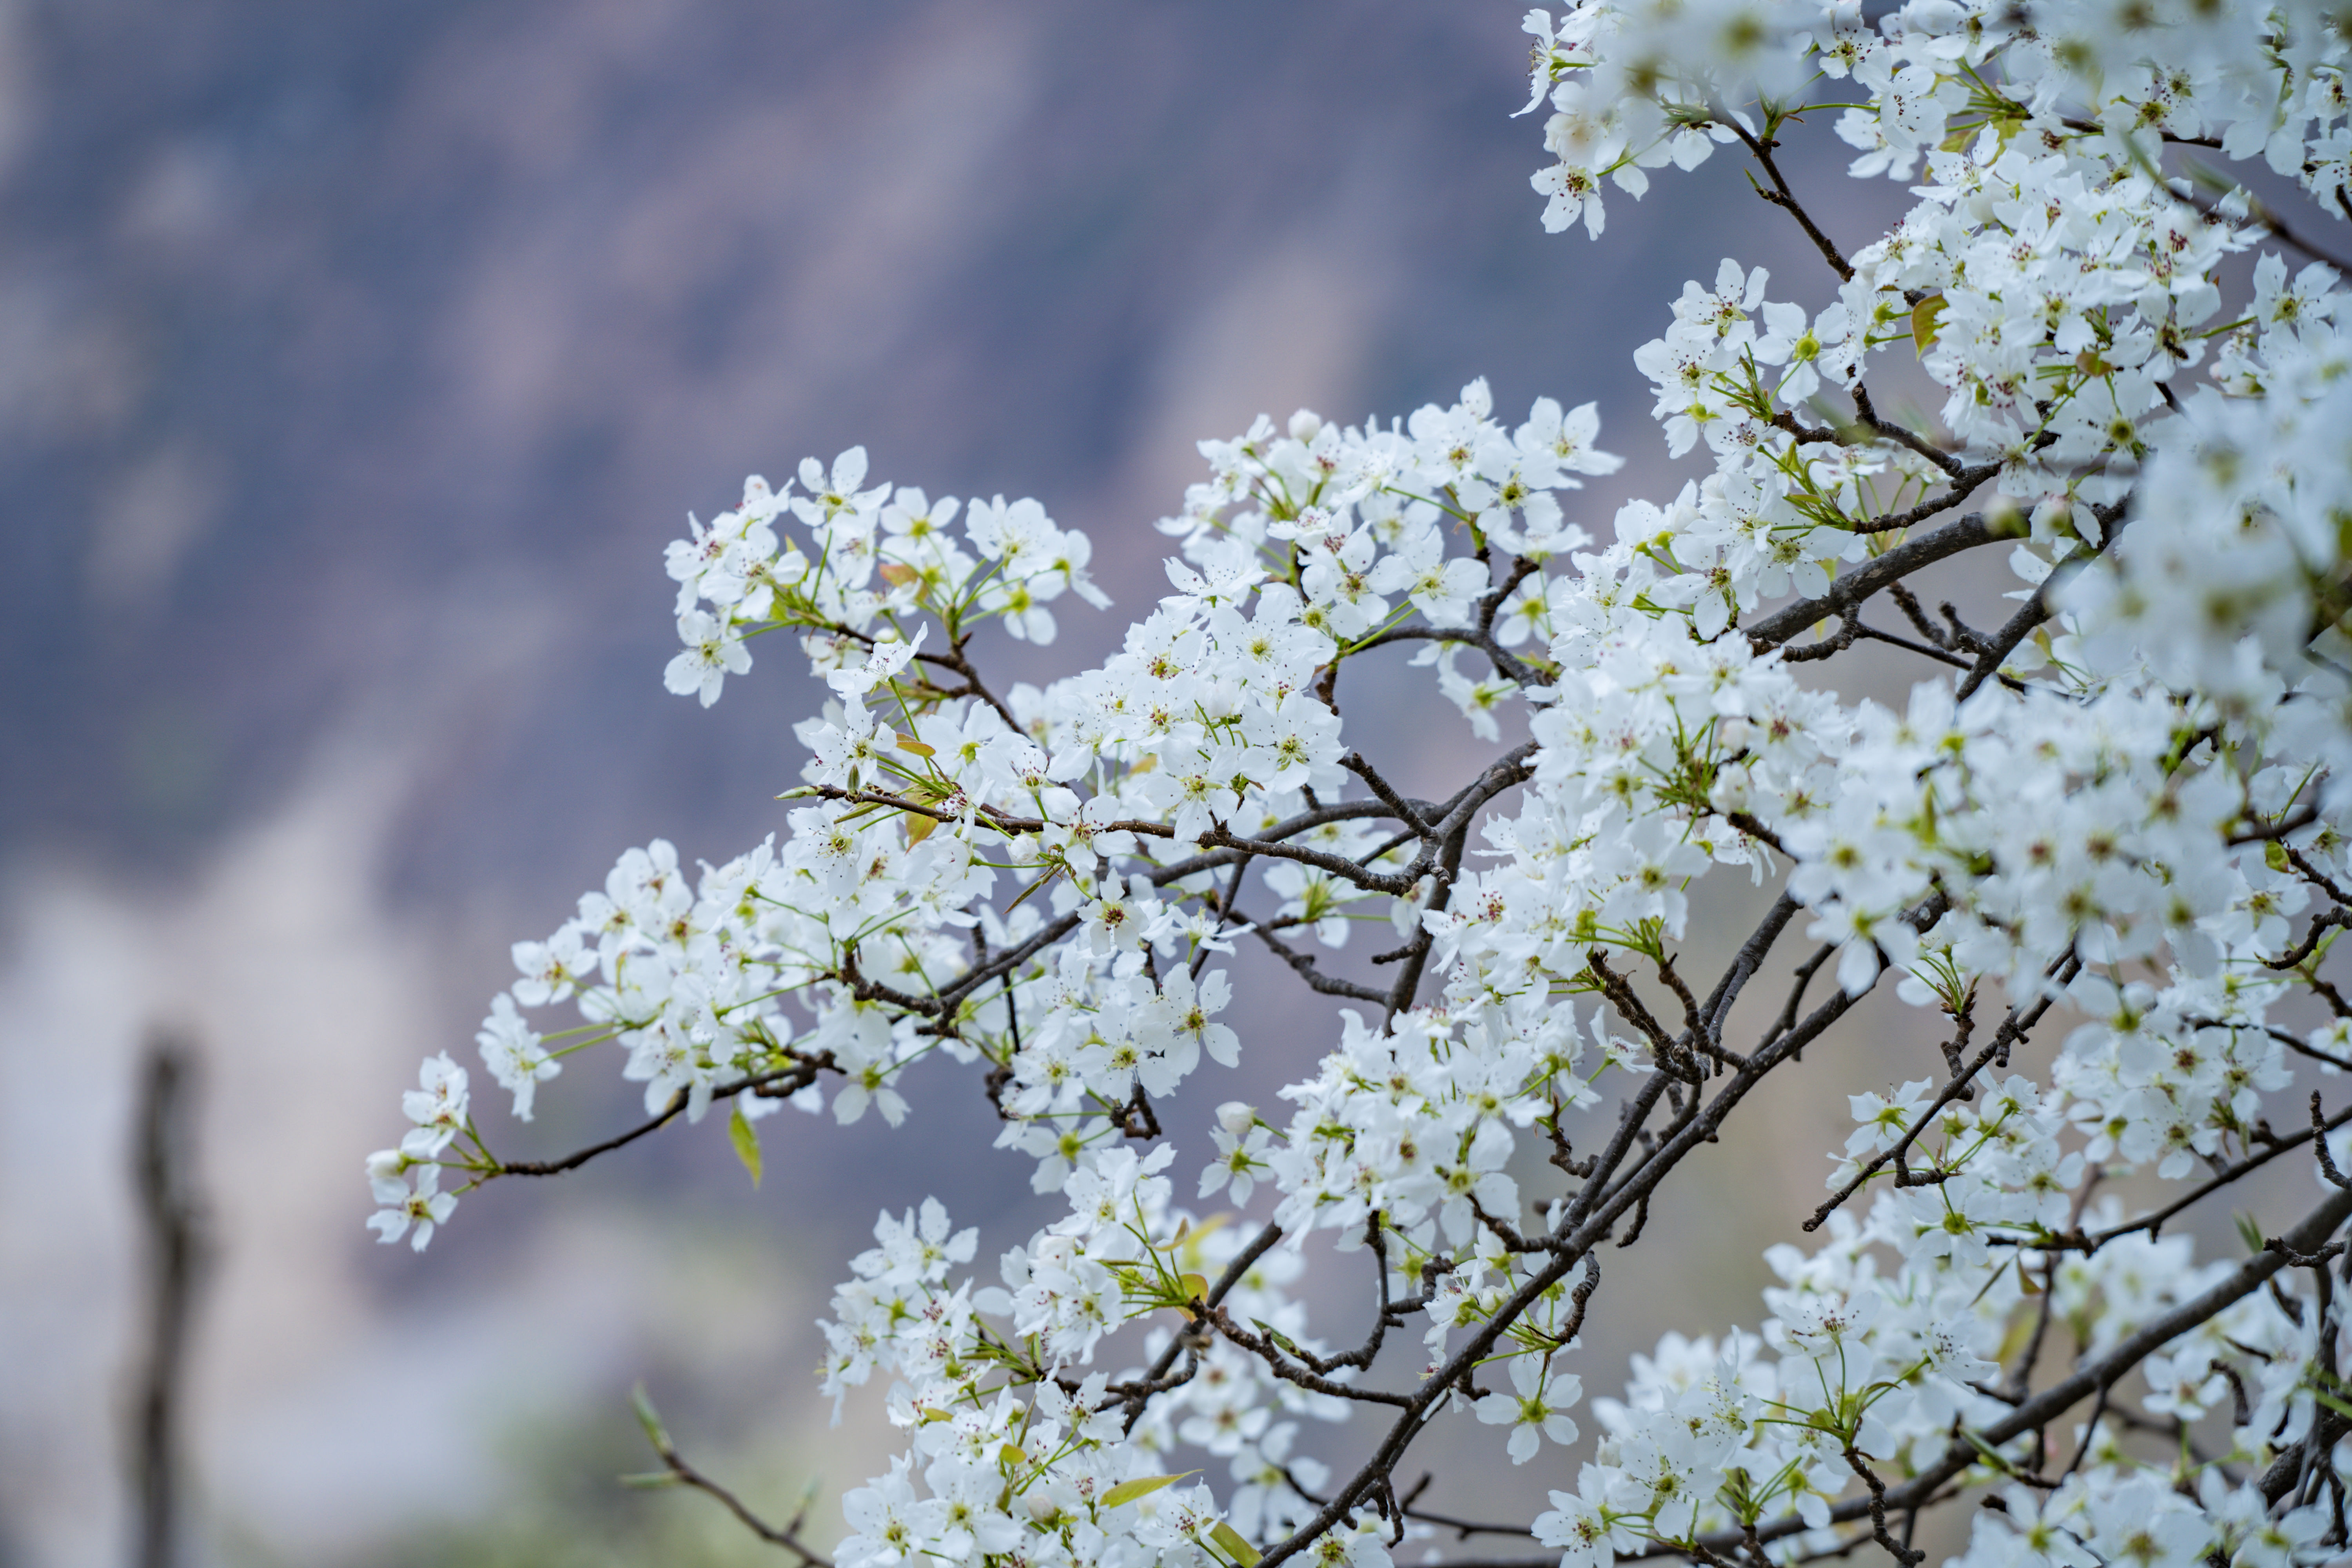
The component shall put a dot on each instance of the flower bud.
(1235, 1117)
(1306, 424)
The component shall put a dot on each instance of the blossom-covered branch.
(2100, 846)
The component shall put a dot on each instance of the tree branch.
(798, 1077)
(1961, 534)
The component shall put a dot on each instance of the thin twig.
(676, 1469)
(799, 1075)
(1781, 196)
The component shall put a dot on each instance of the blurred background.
(356, 362)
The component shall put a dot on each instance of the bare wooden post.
(164, 1175)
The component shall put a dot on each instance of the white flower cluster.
(1636, 84)
(1714, 1436)
(756, 582)
(1202, 724)
(1415, 1125)
(1019, 1461)
(2118, 814)
(2054, 278)
(2262, 448)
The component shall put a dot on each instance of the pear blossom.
(1535, 1409)
(2084, 823)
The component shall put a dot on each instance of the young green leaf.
(1142, 1486)
(648, 1419)
(1924, 319)
(1229, 1541)
(746, 1139)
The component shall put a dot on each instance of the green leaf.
(2249, 1232)
(746, 1139)
(1924, 318)
(1230, 1540)
(1143, 1486)
(1187, 1231)
(648, 1419)
(1986, 1452)
(1276, 1336)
